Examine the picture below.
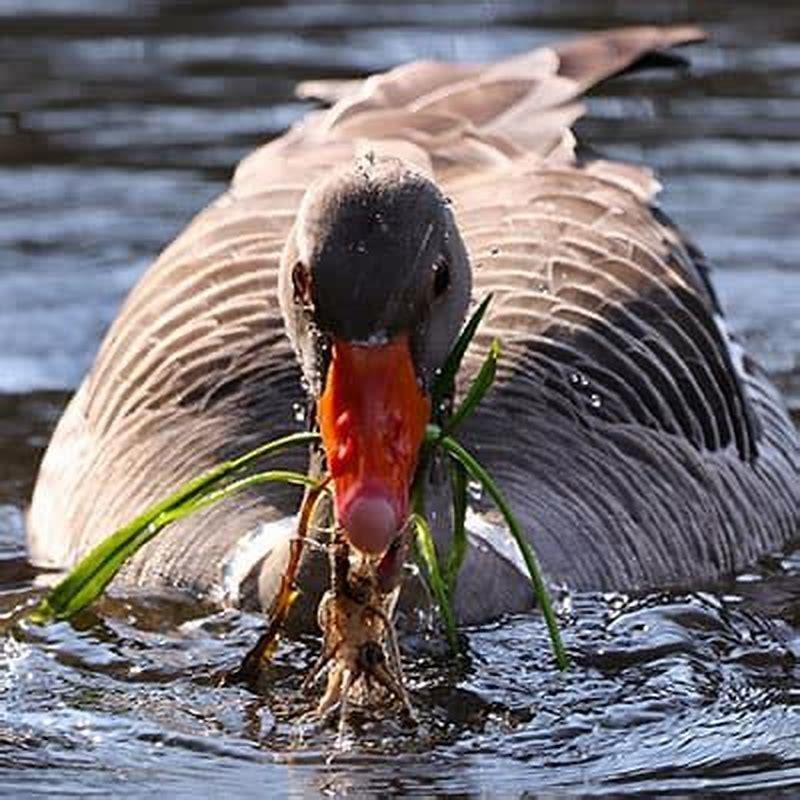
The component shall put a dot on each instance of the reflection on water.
(122, 120)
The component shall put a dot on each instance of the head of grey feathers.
(374, 254)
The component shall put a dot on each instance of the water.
(124, 120)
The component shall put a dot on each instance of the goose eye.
(441, 277)
(301, 283)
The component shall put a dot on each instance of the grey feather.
(633, 448)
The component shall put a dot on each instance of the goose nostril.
(342, 458)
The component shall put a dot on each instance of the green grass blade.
(427, 549)
(272, 476)
(194, 488)
(121, 543)
(96, 569)
(477, 472)
(269, 449)
(458, 548)
(444, 385)
(482, 383)
(224, 470)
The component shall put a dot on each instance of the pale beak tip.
(371, 523)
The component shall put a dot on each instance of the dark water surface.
(120, 120)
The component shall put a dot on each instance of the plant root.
(359, 650)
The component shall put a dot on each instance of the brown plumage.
(638, 445)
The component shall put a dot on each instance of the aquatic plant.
(89, 578)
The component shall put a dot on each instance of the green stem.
(476, 392)
(427, 549)
(458, 548)
(473, 467)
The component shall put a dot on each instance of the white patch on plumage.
(494, 536)
(249, 550)
(735, 350)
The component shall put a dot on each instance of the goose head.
(374, 286)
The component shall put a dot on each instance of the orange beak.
(372, 416)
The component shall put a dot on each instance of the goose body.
(637, 442)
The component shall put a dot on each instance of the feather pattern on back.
(636, 443)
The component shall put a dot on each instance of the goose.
(639, 445)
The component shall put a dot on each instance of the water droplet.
(361, 247)
(475, 490)
(575, 379)
(378, 217)
(299, 412)
(595, 401)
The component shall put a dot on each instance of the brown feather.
(633, 448)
